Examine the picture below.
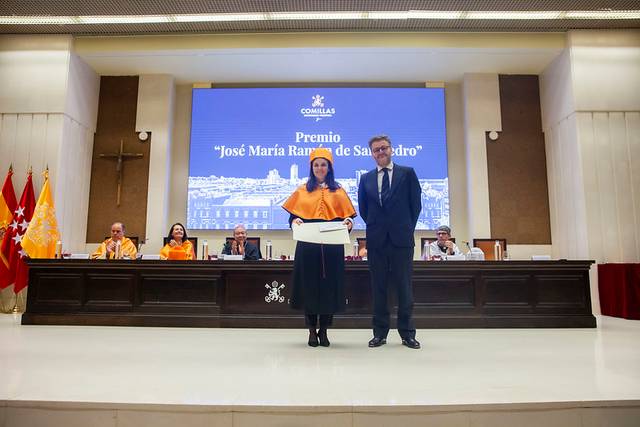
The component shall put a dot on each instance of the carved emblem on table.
(274, 292)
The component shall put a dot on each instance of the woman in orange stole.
(318, 270)
(179, 247)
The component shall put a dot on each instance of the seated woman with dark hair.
(179, 246)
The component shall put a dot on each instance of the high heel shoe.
(313, 338)
(324, 339)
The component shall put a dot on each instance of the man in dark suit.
(240, 246)
(389, 202)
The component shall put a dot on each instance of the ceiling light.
(435, 14)
(220, 17)
(388, 15)
(603, 14)
(536, 14)
(124, 19)
(293, 16)
(38, 20)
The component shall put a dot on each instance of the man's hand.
(449, 245)
(111, 246)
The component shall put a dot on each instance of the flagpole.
(15, 306)
(16, 309)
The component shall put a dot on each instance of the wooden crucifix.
(120, 157)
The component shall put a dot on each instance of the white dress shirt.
(380, 175)
(435, 249)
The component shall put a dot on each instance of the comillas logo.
(317, 110)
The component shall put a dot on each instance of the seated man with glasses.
(444, 245)
(240, 246)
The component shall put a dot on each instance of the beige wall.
(48, 111)
(155, 113)
(591, 119)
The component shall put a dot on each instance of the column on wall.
(156, 97)
(48, 109)
(591, 119)
(481, 99)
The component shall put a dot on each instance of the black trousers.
(391, 267)
(311, 320)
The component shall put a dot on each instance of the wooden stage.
(255, 294)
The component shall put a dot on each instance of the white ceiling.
(311, 65)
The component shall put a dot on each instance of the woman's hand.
(348, 223)
(297, 221)
(173, 243)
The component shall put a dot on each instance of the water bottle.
(118, 251)
(355, 249)
(497, 251)
(269, 250)
(426, 252)
(205, 250)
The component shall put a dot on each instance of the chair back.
(193, 240)
(487, 246)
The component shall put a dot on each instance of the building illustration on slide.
(219, 203)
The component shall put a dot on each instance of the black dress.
(318, 277)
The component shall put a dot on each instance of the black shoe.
(411, 343)
(313, 338)
(324, 339)
(377, 341)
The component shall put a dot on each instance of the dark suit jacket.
(251, 251)
(398, 215)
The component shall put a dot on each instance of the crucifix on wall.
(120, 157)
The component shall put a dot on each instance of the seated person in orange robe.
(109, 248)
(179, 246)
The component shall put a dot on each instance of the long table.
(452, 294)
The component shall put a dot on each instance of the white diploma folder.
(327, 233)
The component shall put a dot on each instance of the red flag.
(18, 272)
(8, 205)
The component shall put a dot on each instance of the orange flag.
(39, 241)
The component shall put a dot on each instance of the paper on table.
(334, 233)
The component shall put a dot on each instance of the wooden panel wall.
(516, 163)
(116, 121)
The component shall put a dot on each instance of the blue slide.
(250, 148)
